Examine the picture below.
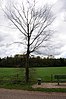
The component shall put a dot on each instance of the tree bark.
(27, 56)
(27, 68)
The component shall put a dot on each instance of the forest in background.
(19, 61)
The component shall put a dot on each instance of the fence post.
(51, 77)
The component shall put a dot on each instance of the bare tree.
(33, 23)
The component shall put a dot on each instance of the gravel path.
(20, 94)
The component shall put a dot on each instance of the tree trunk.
(27, 56)
(27, 68)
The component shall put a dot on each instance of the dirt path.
(20, 94)
(50, 85)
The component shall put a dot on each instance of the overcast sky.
(9, 35)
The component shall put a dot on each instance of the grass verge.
(24, 86)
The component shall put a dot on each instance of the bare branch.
(14, 22)
(32, 22)
(20, 15)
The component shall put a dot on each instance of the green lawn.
(43, 73)
(8, 73)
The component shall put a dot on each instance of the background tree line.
(19, 61)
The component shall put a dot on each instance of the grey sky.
(8, 35)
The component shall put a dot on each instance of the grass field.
(43, 73)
